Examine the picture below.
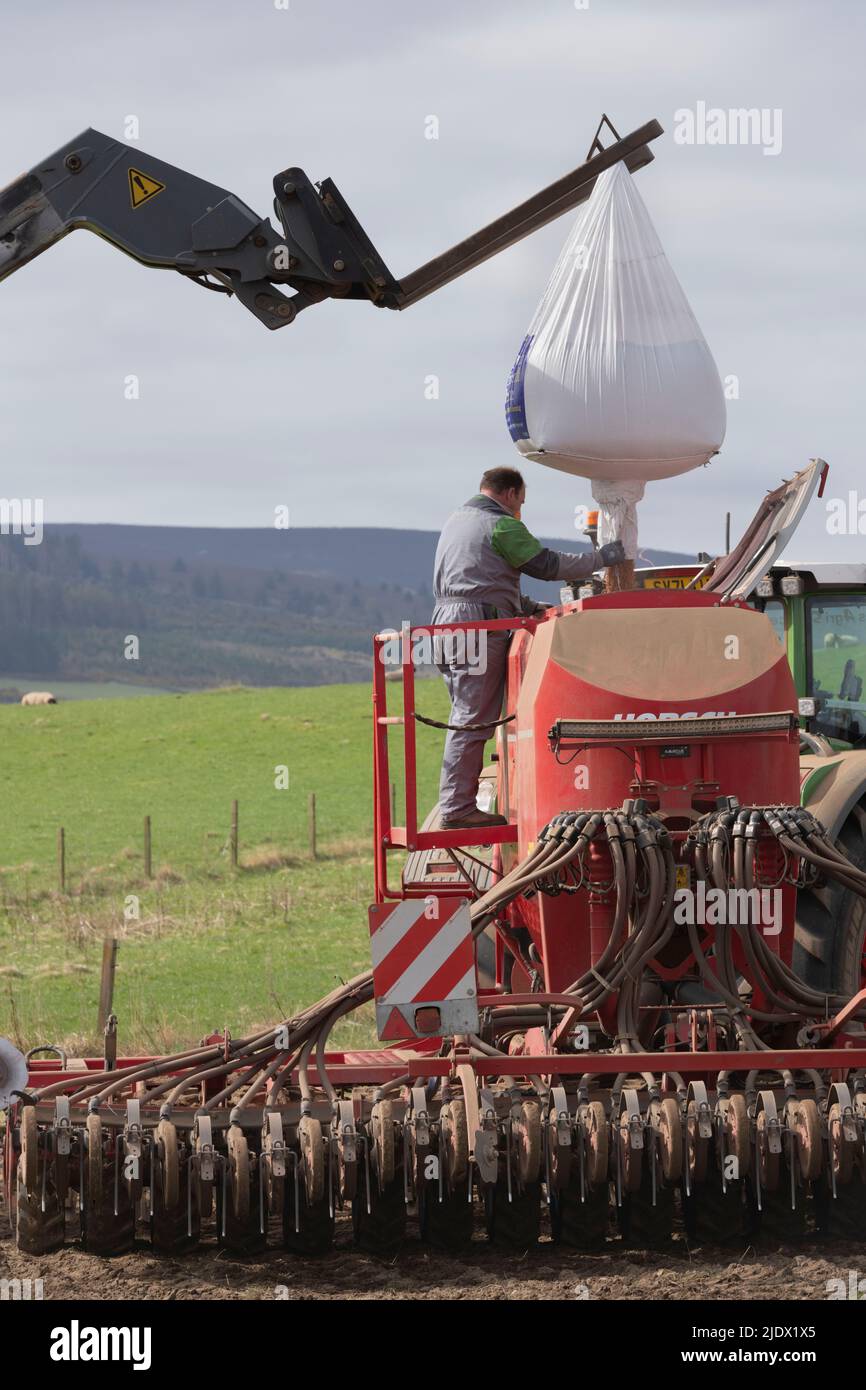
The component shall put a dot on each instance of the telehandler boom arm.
(167, 218)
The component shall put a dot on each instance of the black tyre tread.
(39, 1232)
(103, 1232)
(381, 1230)
(584, 1225)
(445, 1225)
(514, 1225)
(315, 1235)
(842, 1217)
(777, 1223)
(643, 1224)
(716, 1217)
(169, 1229)
(831, 926)
(241, 1237)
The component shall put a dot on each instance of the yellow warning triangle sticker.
(142, 187)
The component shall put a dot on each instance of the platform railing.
(389, 836)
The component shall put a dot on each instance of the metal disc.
(93, 1125)
(841, 1150)
(735, 1137)
(29, 1150)
(698, 1147)
(670, 1133)
(527, 1137)
(312, 1157)
(558, 1155)
(239, 1171)
(13, 1072)
(596, 1138)
(767, 1162)
(382, 1126)
(806, 1123)
(454, 1135)
(630, 1157)
(167, 1156)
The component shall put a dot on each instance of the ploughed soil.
(801, 1271)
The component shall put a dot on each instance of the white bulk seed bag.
(614, 379)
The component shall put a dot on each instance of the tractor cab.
(818, 611)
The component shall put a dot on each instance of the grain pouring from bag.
(614, 380)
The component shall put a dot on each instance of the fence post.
(312, 825)
(106, 985)
(234, 835)
(148, 859)
(61, 858)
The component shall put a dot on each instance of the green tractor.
(819, 613)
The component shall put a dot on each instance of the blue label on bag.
(515, 405)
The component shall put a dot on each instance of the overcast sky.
(329, 415)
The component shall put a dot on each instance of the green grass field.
(201, 946)
(80, 690)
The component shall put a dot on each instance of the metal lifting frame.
(170, 219)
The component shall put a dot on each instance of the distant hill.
(374, 555)
(212, 606)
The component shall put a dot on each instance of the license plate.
(672, 581)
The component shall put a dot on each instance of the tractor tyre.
(830, 934)
(580, 1224)
(308, 1228)
(446, 1224)
(175, 1225)
(379, 1218)
(104, 1231)
(778, 1222)
(38, 1232)
(514, 1225)
(239, 1203)
(716, 1217)
(842, 1217)
(644, 1224)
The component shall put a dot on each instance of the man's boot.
(473, 820)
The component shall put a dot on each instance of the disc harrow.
(637, 1160)
(541, 1120)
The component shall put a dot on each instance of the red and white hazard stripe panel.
(423, 967)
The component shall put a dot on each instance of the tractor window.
(836, 632)
(775, 611)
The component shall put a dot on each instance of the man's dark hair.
(502, 479)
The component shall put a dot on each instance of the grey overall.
(474, 581)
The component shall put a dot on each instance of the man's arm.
(520, 548)
(555, 564)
